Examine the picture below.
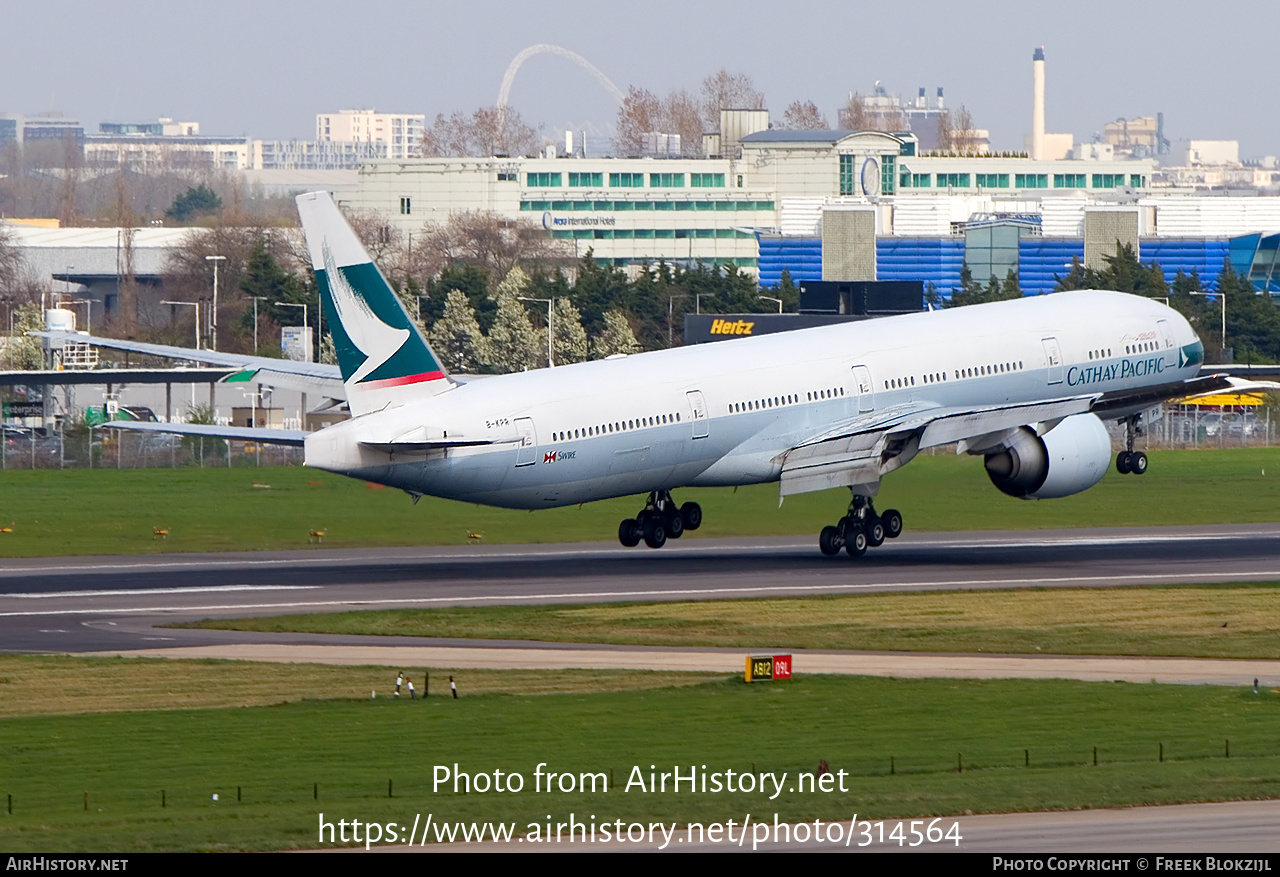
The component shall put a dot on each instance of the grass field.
(50, 685)
(96, 781)
(1221, 621)
(115, 512)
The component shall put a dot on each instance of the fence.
(119, 449)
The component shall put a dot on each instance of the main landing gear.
(861, 528)
(659, 521)
(1129, 461)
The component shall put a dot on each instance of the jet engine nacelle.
(1071, 457)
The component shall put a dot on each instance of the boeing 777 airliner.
(1025, 384)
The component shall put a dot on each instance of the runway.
(114, 603)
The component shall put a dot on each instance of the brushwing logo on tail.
(370, 335)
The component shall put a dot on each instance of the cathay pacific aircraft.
(1024, 384)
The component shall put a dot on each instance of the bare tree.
(487, 131)
(188, 275)
(723, 90)
(853, 116)
(19, 289)
(804, 116)
(682, 116)
(964, 136)
(946, 132)
(13, 267)
(381, 239)
(640, 113)
(493, 242)
(861, 113)
(957, 132)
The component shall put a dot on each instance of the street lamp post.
(213, 319)
(306, 329)
(189, 304)
(771, 298)
(551, 327)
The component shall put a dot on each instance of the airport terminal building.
(844, 205)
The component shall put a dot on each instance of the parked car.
(1242, 425)
(1211, 423)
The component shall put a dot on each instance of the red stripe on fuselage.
(402, 381)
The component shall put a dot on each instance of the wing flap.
(839, 462)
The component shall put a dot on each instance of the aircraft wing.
(236, 433)
(1116, 404)
(859, 451)
(307, 377)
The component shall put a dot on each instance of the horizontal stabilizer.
(235, 433)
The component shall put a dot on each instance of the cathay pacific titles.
(1126, 368)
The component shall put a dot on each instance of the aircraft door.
(527, 454)
(864, 388)
(1053, 356)
(698, 410)
(1166, 334)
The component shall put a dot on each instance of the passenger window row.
(758, 404)
(983, 370)
(616, 426)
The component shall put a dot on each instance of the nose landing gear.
(659, 521)
(861, 528)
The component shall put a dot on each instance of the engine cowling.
(1071, 457)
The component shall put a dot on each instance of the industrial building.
(846, 205)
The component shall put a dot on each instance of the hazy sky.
(264, 68)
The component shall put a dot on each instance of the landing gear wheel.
(675, 526)
(630, 532)
(655, 532)
(875, 533)
(892, 521)
(691, 514)
(855, 544)
(1124, 462)
(830, 541)
(1138, 463)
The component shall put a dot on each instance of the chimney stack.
(1037, 106)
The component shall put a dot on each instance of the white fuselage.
(726, 413)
